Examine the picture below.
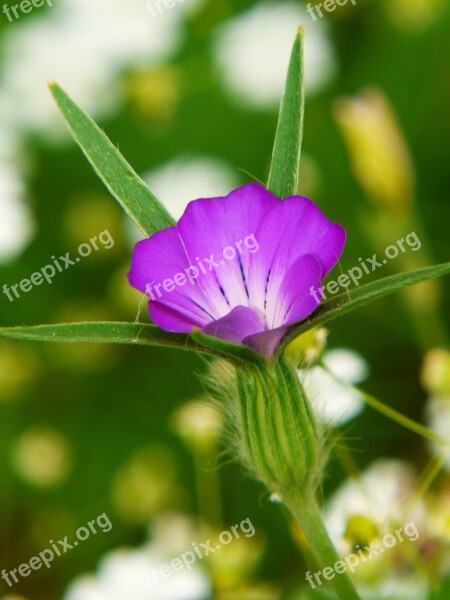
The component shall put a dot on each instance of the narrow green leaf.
(103, 332)
(137, 334)
(284, 170)
(345, 303)
(118, 176)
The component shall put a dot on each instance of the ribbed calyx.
(271, 425)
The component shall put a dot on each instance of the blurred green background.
(84, 428)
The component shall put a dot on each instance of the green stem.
(279, 441)
(405, 422)
(394, 415)
(308, 515)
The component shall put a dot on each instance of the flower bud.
(414, 15)
(272, 428)
(435, 373)
(307, 349)
(381, 159)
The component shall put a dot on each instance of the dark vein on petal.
(222, 291)
(267, 287)
(243, 278)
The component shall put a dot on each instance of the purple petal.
(217, 229)
(236, 325)
(296, 299)
(266, 342)
(161, 258)
(292, 229)
(171, 319)
(295, 303)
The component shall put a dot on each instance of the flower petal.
(171, 319)
(295, 299)
(236, 325)
(161, 258)
(266, 342)
(294, 303)
(222, 230)
(293, 228)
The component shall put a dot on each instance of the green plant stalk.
(275, 434)
(300, 495)
(308, 516)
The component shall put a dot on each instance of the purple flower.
(241, 268)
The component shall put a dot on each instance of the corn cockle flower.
(239, 267)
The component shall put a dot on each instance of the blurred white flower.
(382, 494)
(172, 533)
(330, 393)
(435, 377)
(127, 574)
(184, 179)
(394, 586)
(346, 365)
(83, 45)
(16, 224)
(362, 511)
(133, 574)
(437, 415)
(252, 50)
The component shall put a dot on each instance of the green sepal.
(285, 165)
(125, 185)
